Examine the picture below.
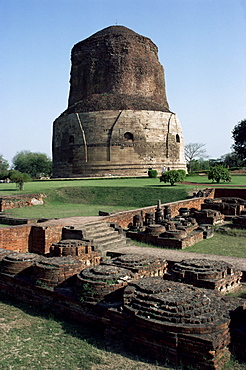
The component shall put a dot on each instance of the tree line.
(26, 166)
(197, 158)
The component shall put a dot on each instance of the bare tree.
(193, 151)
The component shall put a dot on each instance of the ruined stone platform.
(177, 256)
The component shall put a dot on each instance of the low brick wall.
(124, 219)
(18, 201)
(42, 237)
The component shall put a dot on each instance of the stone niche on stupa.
(118, 121)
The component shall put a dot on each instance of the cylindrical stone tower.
(118, 120)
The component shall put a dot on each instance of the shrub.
(19, 178)
(172, 176)
(182, 174)
(218, 173)
(152, 173)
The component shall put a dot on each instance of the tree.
(193, 151)
(218, 173)
(19, 178)
(35, 164)
(172, 176)
(230, 160)
(239, 137)
(4, 166)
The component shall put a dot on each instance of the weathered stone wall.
(120, 143)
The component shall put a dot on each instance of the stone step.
(111, 245)
(105, 240)
(103, 236)
(98, 225)
(94, 234)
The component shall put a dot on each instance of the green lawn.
(236, 180)
(66, 198)
(31, 339)
(87, 197)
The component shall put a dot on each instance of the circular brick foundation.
(140, 265)
(50, 272)
(18, 263)
(183, 307)
(4, 252)
(155, 229)
(205, 273)
(102, 283)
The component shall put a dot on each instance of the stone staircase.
(102, 235)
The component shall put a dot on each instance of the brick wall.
(30, 238)
(125, 218)
(42, 237)
(15, 238)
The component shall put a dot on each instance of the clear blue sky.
(201, 46)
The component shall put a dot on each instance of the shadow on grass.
(92, 334)
(20, 192)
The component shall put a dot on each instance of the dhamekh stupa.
(118, 121)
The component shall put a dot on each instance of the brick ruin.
(21, 200)
(118, 120)
(231, 206)
(140, 266)
(202, 273)
(191, 324)
(189, 226)
(161, 229)
(131, 301)
(175, 312)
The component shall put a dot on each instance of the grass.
(66, 198)
(87, 197)
(236, 180)
(32, 340)
(221, 245)
(231, 244)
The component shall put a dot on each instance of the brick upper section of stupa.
(116, 69)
